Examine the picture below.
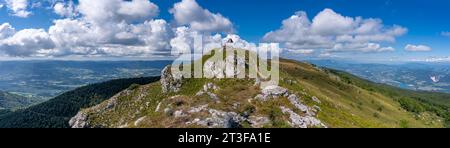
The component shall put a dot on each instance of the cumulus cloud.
(359, 47)
(333, 32)
(188, 12)
(185, 38)
(18, 8)
(109, 11)
(6, 30)
(103, 28)
(115, 28)
(417, 48)
(24, 42)
(65, 9)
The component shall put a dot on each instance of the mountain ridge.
(308, 96)
(56, 112)
(10, 101)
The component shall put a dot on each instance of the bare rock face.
(306, 118)
(272, 91)
(79, 121)
(170, 82)
(216, 118)
(299, 121)
(275, 91)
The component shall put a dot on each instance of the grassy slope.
(56, 112)
(348, 105)
(343, 104)
(419, 102)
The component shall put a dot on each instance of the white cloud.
(18, 8)
(334, 32)
(113, 11)
(302, 51)
(322, 25)
(188, 12)
(118, 28)
(447, 34)
(184, 39)
(103, 28)
(417, 48)
(65, 9)
(359, 47)
(25, 42)
(6, 30)
(433, 59)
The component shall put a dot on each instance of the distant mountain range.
(415, 76)
(47, 79)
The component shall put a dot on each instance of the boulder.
(296, 102)
(315, 99)
(217, 119)
(179, 114)
(272, 91)
(170, 82)
(275, 91)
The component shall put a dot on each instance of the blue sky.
(253, 19)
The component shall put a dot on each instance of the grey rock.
(275, 91)
(272, 91)
(179, 114)
(315, 99)
(200, 93)
(258, 122)
(316, 109)
(168, 111)
(236, 105)
(79, 121)
(138, 121)
(219, 119)
(298, 121)
(210, 87)
(213, 96)
(296, 102)
(170, 82)
(198, 109)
